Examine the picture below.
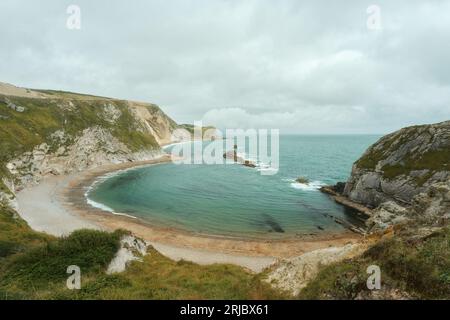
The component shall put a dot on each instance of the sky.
(299, 66)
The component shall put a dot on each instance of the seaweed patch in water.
(124, 179)
(270, 221)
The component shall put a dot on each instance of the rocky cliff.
(404, 174)
(52, 132)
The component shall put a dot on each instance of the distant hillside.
(53, 132)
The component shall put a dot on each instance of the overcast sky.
(301, 66)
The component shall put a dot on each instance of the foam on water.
(312, 186)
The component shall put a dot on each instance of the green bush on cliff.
(45, 266)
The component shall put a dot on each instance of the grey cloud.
(304, 66)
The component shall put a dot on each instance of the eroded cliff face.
(51, 132)
(154, 120)
(404, 176)
(95, 146)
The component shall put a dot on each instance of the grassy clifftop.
(57, 118)
(21, 131)
(416, 148)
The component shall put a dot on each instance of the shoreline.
(63, 200)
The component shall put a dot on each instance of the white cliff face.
(154, 120)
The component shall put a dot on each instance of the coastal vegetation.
(414, 149)
(415, 264)
(24, 130)
(408, 168)
(33, 266)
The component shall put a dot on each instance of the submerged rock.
(302, 180)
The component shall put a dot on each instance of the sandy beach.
(57, 205)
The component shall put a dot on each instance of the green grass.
(420, 267)
(433, 160)
(15, 234)
(45, 266)
(33, 266)
(70, 95)
(158, 277)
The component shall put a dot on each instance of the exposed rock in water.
(361, 209)
(131, 249)
(302, 180)
(250, 164)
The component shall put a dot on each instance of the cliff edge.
(404, 176)
(47, 132)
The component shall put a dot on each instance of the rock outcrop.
(401, 165)
(404, 176)
(292, 275)
(95, 146)
(131, 249)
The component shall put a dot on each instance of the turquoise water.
(234, 200)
